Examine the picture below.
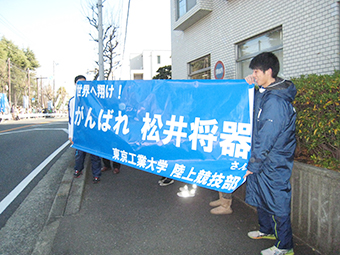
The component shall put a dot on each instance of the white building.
(214, 39)
(144, 66)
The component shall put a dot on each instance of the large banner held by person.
(194, 131)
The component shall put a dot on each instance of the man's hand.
(247, 173)
(70, 140)
(250, 79)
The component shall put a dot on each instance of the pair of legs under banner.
(280, 227)
(95, 165)
(274, 227)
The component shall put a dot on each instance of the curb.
(66, 202)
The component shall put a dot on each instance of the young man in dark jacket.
(80, 155)
(272, 154)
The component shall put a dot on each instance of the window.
(138, 76)
(183, 6)
(271, 41)
(158, 59)
(200, 68)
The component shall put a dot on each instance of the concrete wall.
(310, 34)
(315, 206)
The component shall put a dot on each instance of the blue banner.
(194, 131)
(4, 106)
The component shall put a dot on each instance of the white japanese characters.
(202, 177)
(234, 140)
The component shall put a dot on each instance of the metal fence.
(32, 116)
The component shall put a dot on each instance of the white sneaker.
(166, 182)
(276, 251)
(185, 188)
(185, 192)
(161, 180)
(259, 235)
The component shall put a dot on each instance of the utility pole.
(53, 96)
(41, 95)
(100, 40)
(29, 87)
(38, 91)
(9, 82)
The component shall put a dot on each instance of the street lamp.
(53, 96)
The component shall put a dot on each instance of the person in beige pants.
(222, 204)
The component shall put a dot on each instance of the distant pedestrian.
(80, 155)
(13, 112)
(272, 154)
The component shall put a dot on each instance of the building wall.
(146, 63)
(310, 34)
(310, 45)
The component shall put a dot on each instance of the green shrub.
(318, 120)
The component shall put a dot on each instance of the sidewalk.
(130, 214)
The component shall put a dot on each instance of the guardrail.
(33, 116)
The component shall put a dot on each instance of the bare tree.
(109, 41)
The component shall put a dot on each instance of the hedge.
(318, 120)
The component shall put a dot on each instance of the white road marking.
(34, 129)
(22, 185)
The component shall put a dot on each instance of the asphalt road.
(24, 146)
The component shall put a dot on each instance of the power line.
(13, 65)
(22, 70)
(9, 25)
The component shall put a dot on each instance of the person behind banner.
(272, 153)
(107, 166)
(164, 181)
(222, 204)
(80, 155)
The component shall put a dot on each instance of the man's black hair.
(78, 78)
(264, 61)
